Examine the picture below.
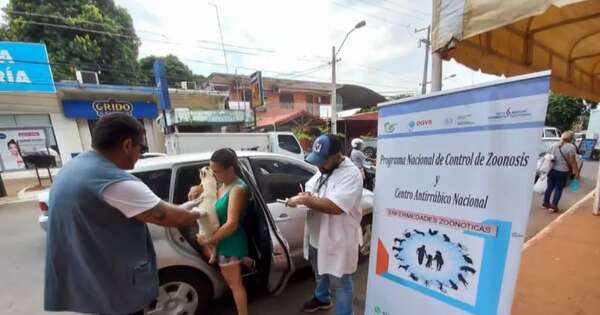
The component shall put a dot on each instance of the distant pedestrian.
(358, 157)
(565, 166)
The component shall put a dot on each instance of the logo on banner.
(433, 260)
(419, 124)
(389, 127)
(464, 120)
(510, 113)
(107, 107)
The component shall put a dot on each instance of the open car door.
(278, 267)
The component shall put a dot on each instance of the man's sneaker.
(315, 305)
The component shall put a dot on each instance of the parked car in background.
(579, 136)
(550, 136)
(187, 282)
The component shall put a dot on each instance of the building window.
(324, 100)
(286, 100)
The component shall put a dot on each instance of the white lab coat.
(339, 235)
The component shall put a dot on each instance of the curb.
(545, 231)
(22, 196)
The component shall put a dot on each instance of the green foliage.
(114, 53)
(302, 134)
(565, 111)
(176, 70)
(367, 110)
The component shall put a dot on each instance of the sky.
(294, 39)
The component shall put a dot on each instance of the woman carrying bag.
(564, 168)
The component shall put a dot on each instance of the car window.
(186, 177)
(289, 143)
(551, 133)
(280, 179)
(158, 181)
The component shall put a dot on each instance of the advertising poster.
(15, 143)
(455, 173)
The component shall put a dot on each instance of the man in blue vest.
(100, 258)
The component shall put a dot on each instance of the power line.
(307, 71)
(409, 14)
(371, 15)
(81, 29)
(407, 9)
(69, 19)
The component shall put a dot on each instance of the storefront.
(30, 114)
(84, 105)
(186, 120)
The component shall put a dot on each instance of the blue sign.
(160, 76)
(24, 67)
(96, 109)
(586, 148)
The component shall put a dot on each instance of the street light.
(334, 55)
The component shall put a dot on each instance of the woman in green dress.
(230, 239)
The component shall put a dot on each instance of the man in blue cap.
(332, 232)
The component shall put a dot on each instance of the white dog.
(208, 223)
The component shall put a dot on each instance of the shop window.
(33, 120)
(7, 121)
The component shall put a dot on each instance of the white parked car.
(187, 282)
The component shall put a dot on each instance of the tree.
(79, 34)
(565, 111)
(176, 70)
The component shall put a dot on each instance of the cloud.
(289, 37)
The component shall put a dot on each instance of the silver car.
(188, 283)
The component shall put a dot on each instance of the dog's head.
(206, 172)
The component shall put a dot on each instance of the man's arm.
(169, 215)
(315, 203)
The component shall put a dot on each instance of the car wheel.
(366, 226)
(182, 292)
(370, 152)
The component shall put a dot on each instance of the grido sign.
(95, 109)
(24, 67)
(106, 107)
(453, 192)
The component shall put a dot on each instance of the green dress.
(236, 244)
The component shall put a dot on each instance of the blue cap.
(324, 147)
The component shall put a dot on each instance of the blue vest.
(97, 260)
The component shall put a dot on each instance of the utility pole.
(333, 94)
(425, 41)
(221, 34)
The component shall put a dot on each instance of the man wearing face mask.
(332, 232)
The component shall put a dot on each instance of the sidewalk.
(23, 185)
(560, 267)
